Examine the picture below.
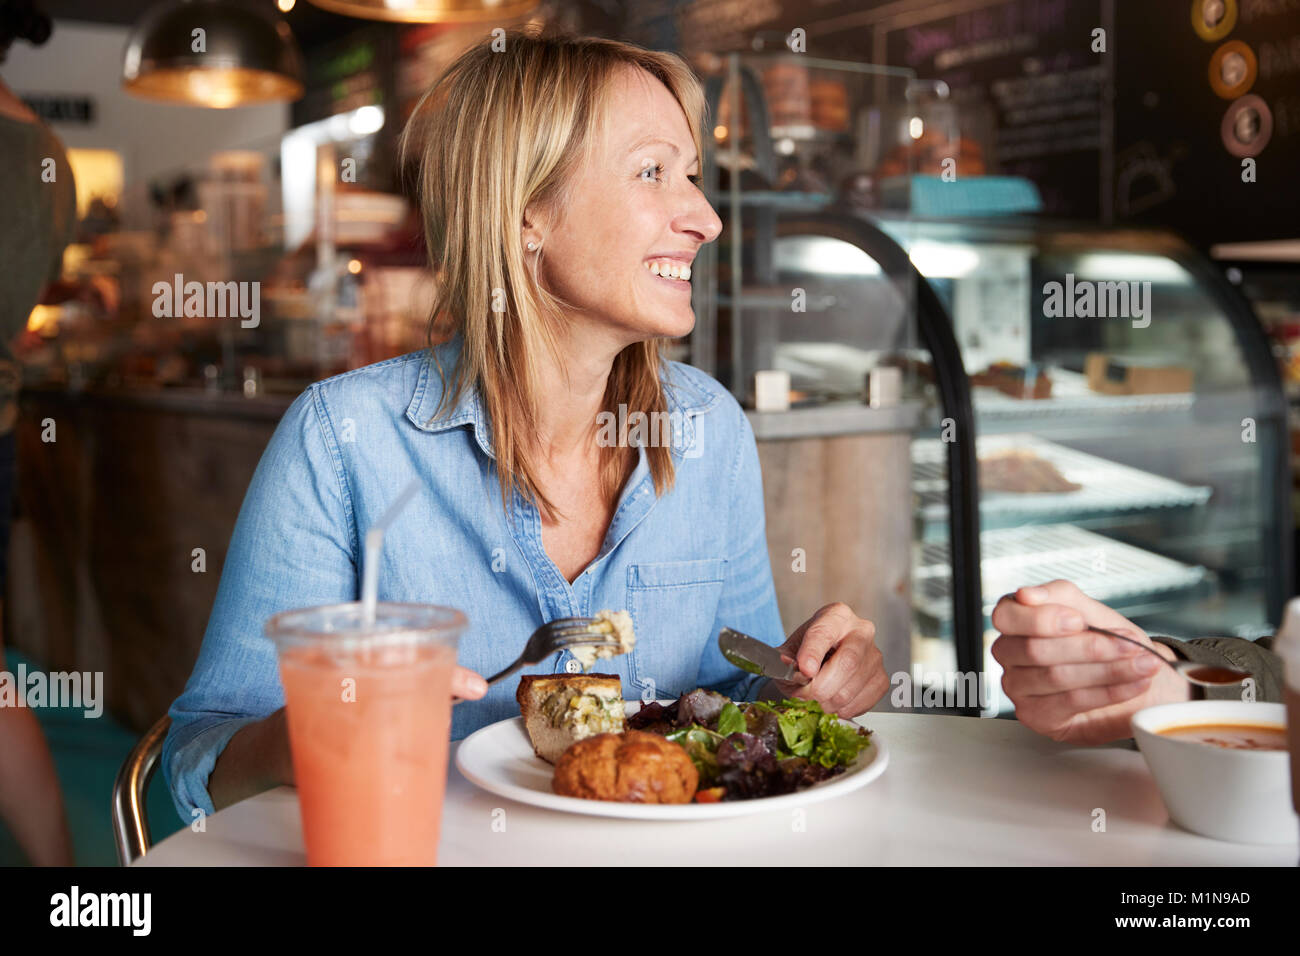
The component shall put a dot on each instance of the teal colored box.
(932, 197)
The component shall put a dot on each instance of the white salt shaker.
(771, 390)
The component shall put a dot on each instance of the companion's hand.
(853, 679)
(1072, 684)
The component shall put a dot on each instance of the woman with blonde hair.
(557, 183)
(558, 186)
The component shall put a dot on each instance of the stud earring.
(531, 246)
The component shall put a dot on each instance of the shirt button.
(572, 666)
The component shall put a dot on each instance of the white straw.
(374, 544)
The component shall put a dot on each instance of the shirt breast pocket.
(673, 606)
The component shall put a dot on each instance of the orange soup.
(1232, 736)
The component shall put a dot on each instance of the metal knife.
(754, 656)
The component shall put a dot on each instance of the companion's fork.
(559, 635)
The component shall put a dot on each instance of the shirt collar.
(428, 391)
(681, 394)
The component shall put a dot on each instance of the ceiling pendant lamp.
(214, 53)
(430, 11)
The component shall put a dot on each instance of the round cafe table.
(958, 790)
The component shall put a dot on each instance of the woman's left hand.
(853, 679)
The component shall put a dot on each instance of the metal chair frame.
(130, 816)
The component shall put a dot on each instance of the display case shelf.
(1126, 578)
(767, 197)
(1071, 396)
(991, 404)
(1109, 488)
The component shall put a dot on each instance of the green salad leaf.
(799, 732)
(731, 720)
(701, 745)
(808, 731)
(837, 743)
(805, 733)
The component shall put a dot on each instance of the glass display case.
(1131, 428)
(1268, 275)
(793, 134)
(1138, 448)
(801, 283)
(1099, 405)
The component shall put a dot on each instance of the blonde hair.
(498, 131)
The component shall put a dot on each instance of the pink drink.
(369, 713)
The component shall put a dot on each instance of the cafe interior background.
(900, 183)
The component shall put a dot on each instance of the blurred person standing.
(37, 216)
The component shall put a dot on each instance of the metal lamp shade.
(429, 11)
(245, 56)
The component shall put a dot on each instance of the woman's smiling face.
(634, 210)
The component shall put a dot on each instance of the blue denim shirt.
(684, 564)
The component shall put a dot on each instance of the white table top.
(958, 790)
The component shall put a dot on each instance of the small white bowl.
(1242, 796)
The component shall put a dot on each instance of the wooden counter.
(837, 486)
(110, 513)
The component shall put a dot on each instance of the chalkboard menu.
(1206, 88)
(1031, 66)
(344, 74)
(349, 72)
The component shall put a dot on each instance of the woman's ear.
(532, 231)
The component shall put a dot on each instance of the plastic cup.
(1287, 646)
(369, 714)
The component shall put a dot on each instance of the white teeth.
(670, 270)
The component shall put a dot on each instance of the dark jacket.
(38, 214)
(1257, 657)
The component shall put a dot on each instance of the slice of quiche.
(560, 709)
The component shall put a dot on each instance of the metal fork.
(558, 635)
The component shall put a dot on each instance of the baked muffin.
(631, 767)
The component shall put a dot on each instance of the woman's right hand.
(467, 684)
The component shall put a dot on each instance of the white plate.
(500, 759)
